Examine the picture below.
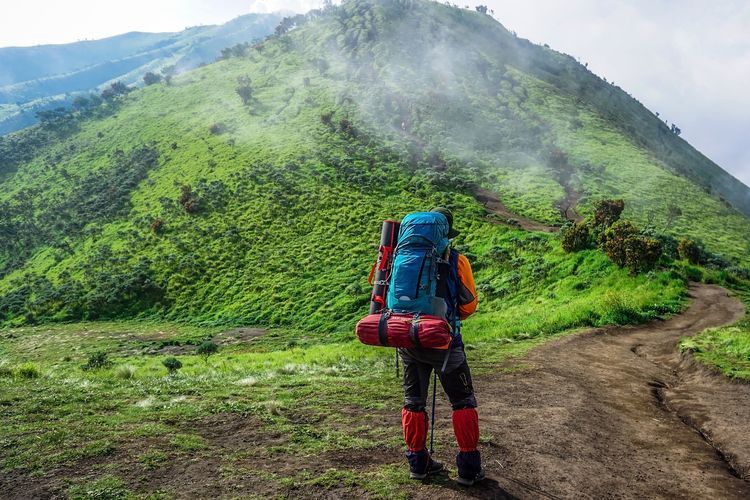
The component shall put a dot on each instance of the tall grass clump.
(618, 310)
(125, 372)
(28, 371)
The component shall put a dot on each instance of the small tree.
(207, 349)
(115, 89)
(244, 90)
(168, 72)
(482, 9)
(151, 78)
(172, 364)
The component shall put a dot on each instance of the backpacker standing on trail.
(455, 285)
(422, 289)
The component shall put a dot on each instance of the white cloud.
(299, 6)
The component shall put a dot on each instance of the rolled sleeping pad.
(382, 269)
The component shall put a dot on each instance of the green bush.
(5, 370)
(97, 361)
(576, 237)
(693, 273)
(690, 251)
(614, 241)
(641, 253)
(172, 364)
(28, 370)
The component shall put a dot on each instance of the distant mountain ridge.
(46, 76)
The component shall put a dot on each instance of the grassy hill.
(184, 201)
(36, 78)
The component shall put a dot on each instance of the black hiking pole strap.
(397, 375)
(434, 397)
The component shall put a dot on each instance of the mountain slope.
(184, 201)
(36, 78)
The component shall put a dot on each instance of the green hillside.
(183, 201)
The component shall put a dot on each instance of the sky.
(687, 59)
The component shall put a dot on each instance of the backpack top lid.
(424, 229)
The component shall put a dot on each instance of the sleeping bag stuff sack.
(407, 330)
(415, 315)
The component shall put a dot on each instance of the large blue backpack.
(422, 242)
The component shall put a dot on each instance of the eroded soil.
(616, 413)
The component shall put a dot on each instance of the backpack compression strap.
(383, 328)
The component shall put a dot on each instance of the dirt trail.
(493, 205)
(615, 413)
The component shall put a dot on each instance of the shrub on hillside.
(627, 247)
(151, 78)
(28, 370)
(217, 128)
(188, 199)
(244, 89)
(5, 370)
(576, 237)
(690, 251)
(115, 89)
(96, 361)
(607, 212)
(613, 241)
(172, 364)
(641, 253)
(156, 226)
(168, 72)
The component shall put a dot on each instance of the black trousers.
(456, 380)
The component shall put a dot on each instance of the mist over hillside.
(244, 191)
(36, 78)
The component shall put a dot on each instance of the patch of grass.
(28, 371)
(335, 478)
(188, 442)
(105, 488)
(152, 459)
(726, 349)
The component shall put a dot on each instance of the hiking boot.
(470, 481)
(470, 468)
(433, 468)
(421, 464)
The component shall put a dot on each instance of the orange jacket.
(467, 290)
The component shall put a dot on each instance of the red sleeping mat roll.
(406, 330)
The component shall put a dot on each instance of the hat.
(452, 233)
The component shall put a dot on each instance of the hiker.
(456, 287)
